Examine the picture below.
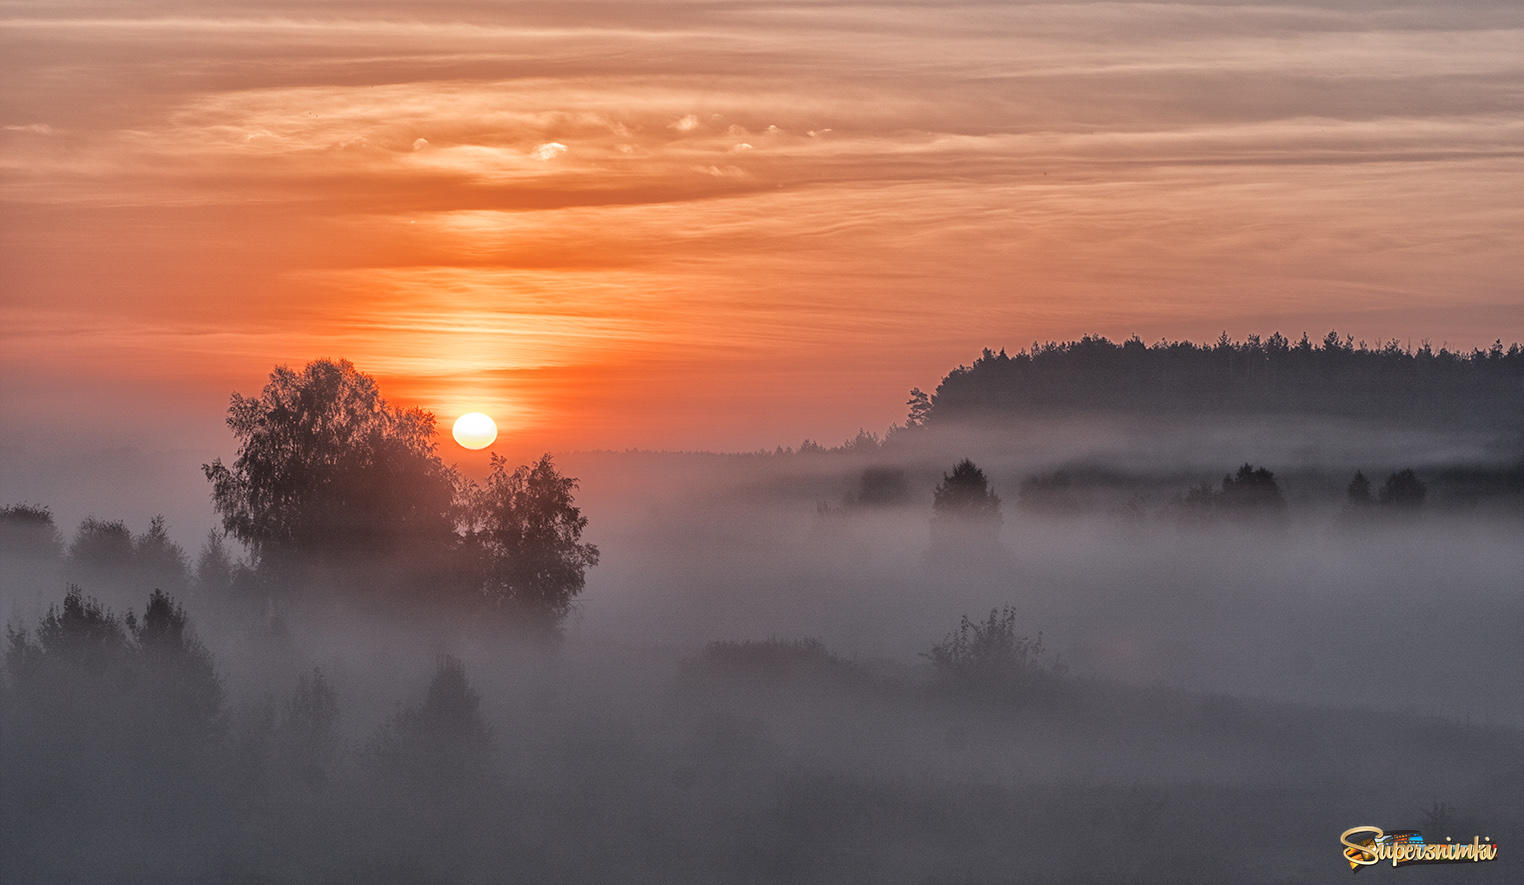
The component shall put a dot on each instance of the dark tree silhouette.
(528, 531)
(1251, 491)
(1388, 383)
(102, 547)
(920, 408)
(441, 743)
(1403, 490)
(180, 683)
(965, 493)
(1251, 496)
(215, 568)
(160, 562)
(27, 530)
(327, 469)
(1359, 491)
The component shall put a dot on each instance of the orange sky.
(725, 225)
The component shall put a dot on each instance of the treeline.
(1336, 377)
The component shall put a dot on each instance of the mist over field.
(1121, 661)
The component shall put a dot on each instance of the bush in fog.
(990, 656)
(880, 487)
(772, 659)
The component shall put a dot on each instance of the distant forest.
(1389, 383)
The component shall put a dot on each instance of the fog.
(1232, 695)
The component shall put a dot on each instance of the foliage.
(443, 742)
(28, 530)
(990, 656)
(1250, 495)
(1388, 382)
(326, 468)
(527, 530)
(1403, 490)
(965, 493)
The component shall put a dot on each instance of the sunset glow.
(565, 210)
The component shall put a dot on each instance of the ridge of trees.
(1336, 377)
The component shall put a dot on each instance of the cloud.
(420, 143)
(549, 150)
(685, 124)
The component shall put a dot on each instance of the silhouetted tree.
(27, 530)
(1403, 490)
(920, 408)
(327, 469)
(101, 547)
(1359, 491)
(528, 529)
(1251, 492)
(214, 566)
(179, 682)
(1251, 495)
(160, 562)
(965, 493)
(442, 743)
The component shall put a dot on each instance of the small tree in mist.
(1403, 490)
(27, 530)
(327, 470)
(965, 494)
(160, 562)
(180, 683)
(966, 512)
(101, 548)
(1250, 496)
(528, 531)
(441, 743)
(307, 731)
(215, 568)
(1358, 494)
(990, 656)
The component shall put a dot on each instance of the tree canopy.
(326, 467)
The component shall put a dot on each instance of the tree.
(965, 494)
(160, 562)
(1403, 490)
(27, 530)
(920, 408)
(181, 687)
(1359, 491)
(442, 743)
(1252, 492)
(214, 566)
(528, 529)
(100, 546)
(326, 468)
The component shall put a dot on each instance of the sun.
(475, 430)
